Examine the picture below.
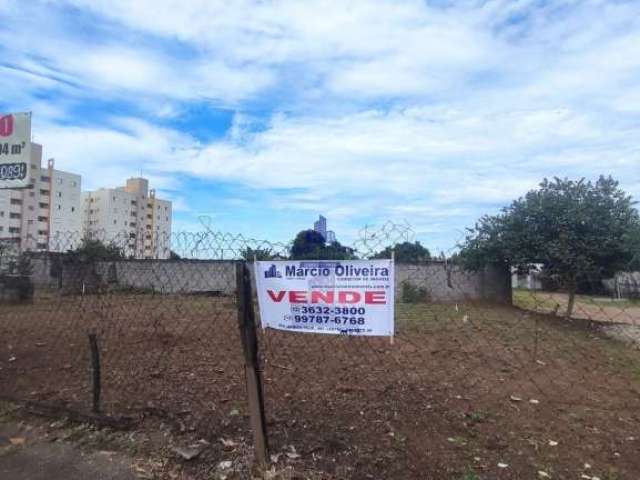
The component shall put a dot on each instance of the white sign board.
(350, 297)
(15, 150)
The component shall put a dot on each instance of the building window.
(42, 246)
(15, 215)
(16, 201)
(73, 209)
(43, 205)
(44, 192)
(59, 194)
(14, 230)
(43, 219)
(44, 178)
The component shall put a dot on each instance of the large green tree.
(310, 245)
(406, 252)
(91, 250)
(575, 229)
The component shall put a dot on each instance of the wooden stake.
(247, 326)
(95, 367)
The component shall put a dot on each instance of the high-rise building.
(320, 226)
(39, 216)
(131, 217)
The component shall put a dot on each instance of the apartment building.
(46, 215)
(131, 217)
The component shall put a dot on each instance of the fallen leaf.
(189, 453)
(17, 440)
(543, 474)
(534, 401)
(225, 465)
(513, 398)
(553, 443)
(502, 465)
(228, 443)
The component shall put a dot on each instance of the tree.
(251, 254)
(310, 245)
(94, 250)
(575, 229)
(406, 252)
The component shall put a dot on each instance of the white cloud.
(397, 108)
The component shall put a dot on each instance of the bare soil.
(468, 391)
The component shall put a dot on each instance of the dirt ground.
(464, 392)
(29, 452)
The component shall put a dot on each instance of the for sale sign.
(15, 150)
(350, 297)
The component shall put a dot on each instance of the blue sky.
(258, 115)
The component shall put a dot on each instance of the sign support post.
(393, 262)
(249, 339)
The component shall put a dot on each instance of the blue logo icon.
(272, 272)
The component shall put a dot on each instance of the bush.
(414, 294)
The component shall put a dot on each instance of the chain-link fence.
(486, 377)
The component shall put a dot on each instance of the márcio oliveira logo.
(6, 125)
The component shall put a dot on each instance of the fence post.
(249, 339)
(95, 367)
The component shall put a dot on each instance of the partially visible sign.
(15, 150)
(350, 297)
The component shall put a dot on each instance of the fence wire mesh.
(485, 369)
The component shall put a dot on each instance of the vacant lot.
(467, 391)
(600, 309)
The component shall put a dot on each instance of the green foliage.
(94, 251)
(251, 254)
(310, 245)
(577, 230)
(414, 294)
(571, 227)
(406, 252)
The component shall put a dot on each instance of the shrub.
(414, 294)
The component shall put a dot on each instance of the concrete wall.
(436, 280)
(445, 283)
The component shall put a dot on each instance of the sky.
(254, 117)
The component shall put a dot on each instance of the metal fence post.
(249, 339)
